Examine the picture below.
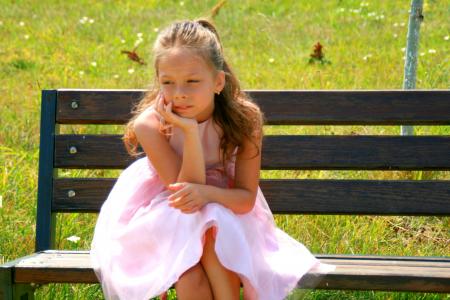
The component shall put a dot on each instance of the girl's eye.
(193, 80)
(166, 82)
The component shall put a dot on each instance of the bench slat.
(311, 196)
(295, 107)
(352, 272)
(313, 152)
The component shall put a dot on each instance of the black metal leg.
(6, 287)
(23, 291)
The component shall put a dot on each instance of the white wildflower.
(131, 71)
(139, 35)
(81, 73)
(26, 36)
(116, 76)
(341, 9)
(156, 29)
(422, 53)
(1, 201)
(364, 4)
(84, 20)
(181, 3)
(395, 35)
(271, 60)
(94, 64)
(367, 56)
(403, 49)
(138, 42)
(402, 24)
(446, 37)
(395, 24)
(431, 51)
(122, 41)
(73, 238)
(91, 21)
(22, 23)
(1, 23)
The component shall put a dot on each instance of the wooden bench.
(20, 277)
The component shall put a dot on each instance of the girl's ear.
(220, 80)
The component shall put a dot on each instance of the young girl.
(190, 212)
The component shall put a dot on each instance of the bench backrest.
(280, 152)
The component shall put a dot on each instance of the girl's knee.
(210, 236)
(194, 281)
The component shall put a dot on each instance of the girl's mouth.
(182, 107)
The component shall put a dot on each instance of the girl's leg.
(225, 283)
(194, 285)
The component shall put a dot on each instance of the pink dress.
(142, 246)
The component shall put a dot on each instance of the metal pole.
(412, 46)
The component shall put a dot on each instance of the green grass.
(268, 43)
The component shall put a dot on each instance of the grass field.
(77, 44)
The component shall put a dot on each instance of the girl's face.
(190, 83)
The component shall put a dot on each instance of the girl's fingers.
(183, 192)
(164, 127)
(165, 110)
(158, 101)
(182, 204)
(180, 201)
(159, 107)
(160, 104)
(169, 107)
(190, 211)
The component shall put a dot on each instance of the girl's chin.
(184, 114)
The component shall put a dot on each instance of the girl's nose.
(180, 93)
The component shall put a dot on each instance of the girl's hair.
(236, 113)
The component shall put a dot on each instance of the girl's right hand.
(165, 111)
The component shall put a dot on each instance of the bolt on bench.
(19, 278)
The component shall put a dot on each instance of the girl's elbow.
(249, 204)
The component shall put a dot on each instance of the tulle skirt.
(142, 246)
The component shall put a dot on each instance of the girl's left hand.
(165, 111)
(187, 197)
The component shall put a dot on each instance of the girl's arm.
(193, 165)
(169, 166)
(240, 199)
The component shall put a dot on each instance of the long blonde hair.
(234, 111)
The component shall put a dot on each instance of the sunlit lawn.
(66, 44)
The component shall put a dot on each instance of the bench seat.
(353, 272)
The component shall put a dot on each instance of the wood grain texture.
(352, 272)
(284, 152)
(296, 107)
(288, 196)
